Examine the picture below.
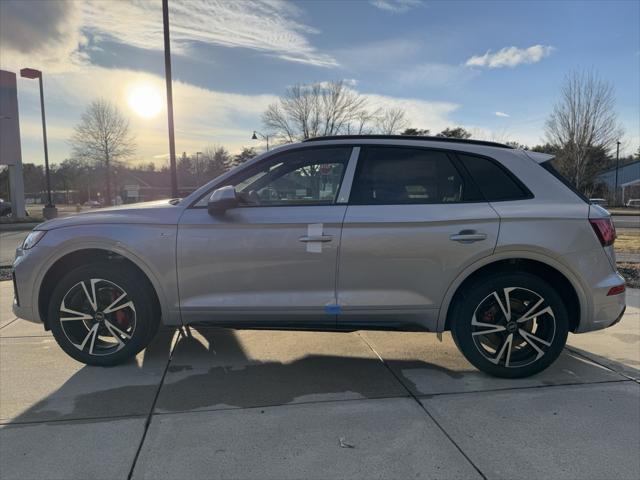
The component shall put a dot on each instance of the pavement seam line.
(147, 423)
(7, 324)
(421, 405)
(530, 387)
(581, 355)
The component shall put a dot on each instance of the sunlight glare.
(145, 100)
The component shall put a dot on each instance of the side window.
(494, 181)
(395, 175)
(302, 177)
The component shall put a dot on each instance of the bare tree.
(103, 138)
(392, 121)
(319, 109)
(583, 120)
(217, 160)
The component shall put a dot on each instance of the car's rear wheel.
(102, 314)
(510, 324)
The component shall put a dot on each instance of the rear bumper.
(607, 309)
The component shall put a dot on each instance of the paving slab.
(617, 347)
(582, 431)
(388, 438)
(23, 328)
(429, 367)
(70, 450)
(219, 368)
(39, 382)
(6, 303)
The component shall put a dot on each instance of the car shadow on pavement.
(205, 368)
(130, 389)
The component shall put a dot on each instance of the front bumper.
(24, 313)
(24, 278)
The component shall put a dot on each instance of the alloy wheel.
(513, 327)
(97, 316)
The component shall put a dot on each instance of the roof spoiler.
(539, 157)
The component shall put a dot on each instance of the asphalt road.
(284, 405)
(9, 241)
(626, 221)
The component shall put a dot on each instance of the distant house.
(145, 185)
(628, 180)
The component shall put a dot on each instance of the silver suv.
(340, 233)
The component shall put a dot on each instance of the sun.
(145, 100)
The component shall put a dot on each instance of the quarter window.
(392, 175)
(494, 181)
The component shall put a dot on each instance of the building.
(628, 181)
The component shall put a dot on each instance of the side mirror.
(222, 200)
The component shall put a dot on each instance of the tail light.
(605, 231)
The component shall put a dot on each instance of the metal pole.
(615, 191)
(267, 137)
(46, 150)
(167, 74)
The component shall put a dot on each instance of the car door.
(273, 258)
(414, 221)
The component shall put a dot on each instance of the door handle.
(316, 238)
(468, 236)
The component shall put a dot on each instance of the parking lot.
(211, 403)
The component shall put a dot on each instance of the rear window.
(494, 181)
(548, 166)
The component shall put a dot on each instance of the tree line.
(582, 132)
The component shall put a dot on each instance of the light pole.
(167, 74)
(50, 210)
(198, 163)
(615, 191)
(262, 135)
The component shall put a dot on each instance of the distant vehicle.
(598, 201)
(92, 204)
(339, 233)
(633, 202)
(5, 208)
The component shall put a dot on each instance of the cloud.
(396, 6)
(502, 114)
(435, 75)
(270, 26)
(52, 31)
(419, 113)
(202, 116)
(40, 33)
(510, 57)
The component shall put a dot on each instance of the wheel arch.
(82, 256)
(541, 265)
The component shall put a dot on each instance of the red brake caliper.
(121, 317)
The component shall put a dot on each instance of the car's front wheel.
(510, 324)
(102, 314)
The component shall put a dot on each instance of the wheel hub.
(512, 327)
(99, 317)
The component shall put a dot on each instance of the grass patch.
(627, 243)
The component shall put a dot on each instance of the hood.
(160, 212)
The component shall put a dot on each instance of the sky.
(495, 68)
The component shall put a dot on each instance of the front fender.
(150, 247)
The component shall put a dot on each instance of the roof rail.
(409, 137)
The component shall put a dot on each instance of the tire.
(103, 314)
(495, 326)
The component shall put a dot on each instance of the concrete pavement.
(259, 404)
